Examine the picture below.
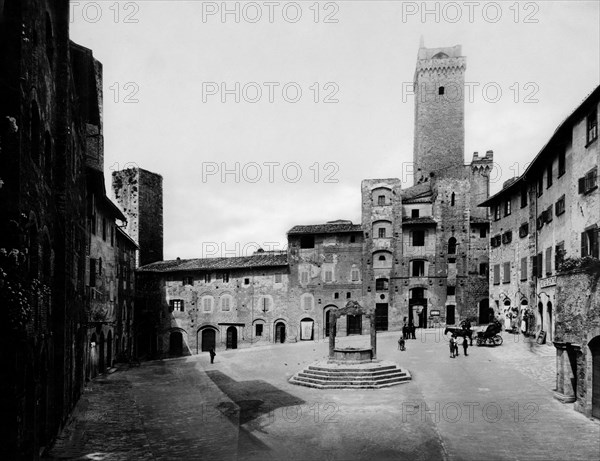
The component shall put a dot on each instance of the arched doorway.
(101, 366)
(594, 346)
(450, 315)
(354, 324)
(306, 329)
(208, 340)
(109, 350)
(176, 343)
(280, 332)
(327, 322)
(549, 320)
(231, 338)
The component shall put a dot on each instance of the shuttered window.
(497, 274)
(524, 268)
(506, 278)
(548, 261)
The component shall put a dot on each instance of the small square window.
(381, 200)
(382, 232)
(348, 295)
(414, 213)
(418, 238)
(246, 281)
(258, 329)
(336, 296)
(278, 278)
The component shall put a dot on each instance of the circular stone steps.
(372, 375)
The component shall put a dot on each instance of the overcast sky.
(165, 63)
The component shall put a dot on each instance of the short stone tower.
(140, 195)
(439, 84)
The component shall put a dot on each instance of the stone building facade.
(140, 195)
(420, 255)
(545, 250)
(549, 213)
(50, 141)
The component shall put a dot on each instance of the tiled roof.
(549, 149)
(328, 228)
(423, 220)
(238, 262)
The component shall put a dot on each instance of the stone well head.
(352, 354)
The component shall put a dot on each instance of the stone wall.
(577, 323)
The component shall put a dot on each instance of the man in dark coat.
(212, 355)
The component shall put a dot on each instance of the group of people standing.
(454, 346)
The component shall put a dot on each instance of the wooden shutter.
(584, 244)
(524, 268)
(533, 266)
(594, 240)
(506, 278)
(548, 260)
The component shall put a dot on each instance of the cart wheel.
(498, 340)
(479, 342)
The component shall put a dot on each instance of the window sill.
(589, 143)
(589, 191)
(505, 283)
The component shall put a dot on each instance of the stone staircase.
(374, 375)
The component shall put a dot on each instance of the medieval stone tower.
(439, 111)
(139, 193)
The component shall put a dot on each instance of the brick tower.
(439, 112)
(139, 193)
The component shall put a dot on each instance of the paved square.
(495, 404)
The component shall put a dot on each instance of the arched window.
(381, 258)
(451, 246)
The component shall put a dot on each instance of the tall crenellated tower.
(439, 84)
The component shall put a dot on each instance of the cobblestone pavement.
(495, 404)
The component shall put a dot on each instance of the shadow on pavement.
(254, 399)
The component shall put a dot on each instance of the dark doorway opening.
(595, 349)
(231, 338)
(354, 324)
(176, 343)
(450, 315)
(484, 311)
(423, 318)
(209, 339)
(280, 332)
(381, 317)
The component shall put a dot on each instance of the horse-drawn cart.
(491, 335)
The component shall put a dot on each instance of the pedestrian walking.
(212, 355)
(465, 345)
(401, 344)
